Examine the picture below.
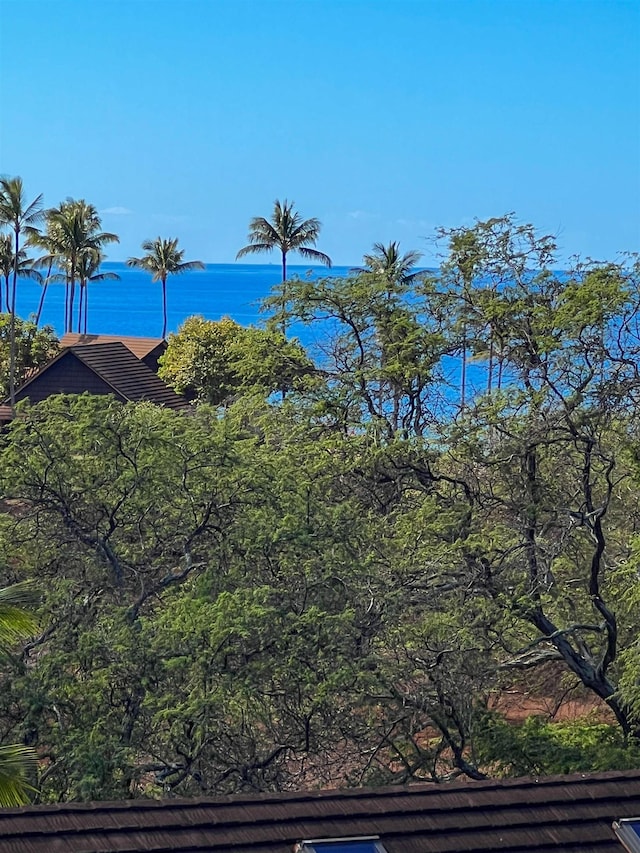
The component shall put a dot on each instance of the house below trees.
(148, 350)
(123, 367)
(561, 814)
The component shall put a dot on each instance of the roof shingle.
(570, 813)
(118, 366)
(140, 347)
(101, 369)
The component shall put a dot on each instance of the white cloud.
(117, 211)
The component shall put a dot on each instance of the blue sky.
(383, 118)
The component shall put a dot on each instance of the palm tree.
(17, 215)
(25, 268)
(389, 263)
(466, 255)
(286, 231)
(394, 272)
(46, 243)
(16, 622)
(73, 230)
(163, 259)
(89, 270)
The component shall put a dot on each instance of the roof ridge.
(326, 794)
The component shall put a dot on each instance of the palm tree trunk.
(490, 376)
(80, 306)
(284, 295)
(44, 293)
(463, 370)
(86, 307)
(72, 289)
(164, 307)
(12, 327)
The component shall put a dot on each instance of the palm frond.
(163, 258)
(254, 248)
(14, 211)
(286, 231)
(105, 276)
(389, 263)
(307, 231)
(313, 254)
(15, 763)
(30, 273)
(188, 266)
(16, 619)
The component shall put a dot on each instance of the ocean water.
(133, 305)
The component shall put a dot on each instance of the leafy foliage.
(34, 348)
(16, 760)
(338, 584)
(538, 747)
(216, 361)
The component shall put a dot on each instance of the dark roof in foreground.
(105, 368)
(562, 813)
(115, 363)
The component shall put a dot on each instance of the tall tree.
(163, 259)
(396, 273)
(88, 271)
(74, 230)
(286, 231)
(389, 263)
(384, 344)
(459, 272)
(49, 243)
(481, 261)
(17, 214)
(7, 263)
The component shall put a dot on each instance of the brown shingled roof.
(140, 347)
(100, 368)
(128, 376)
(564, 813)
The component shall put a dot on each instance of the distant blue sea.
(133, 305)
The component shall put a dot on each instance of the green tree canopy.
(215, 361)
(34, 348)
(348, 586)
